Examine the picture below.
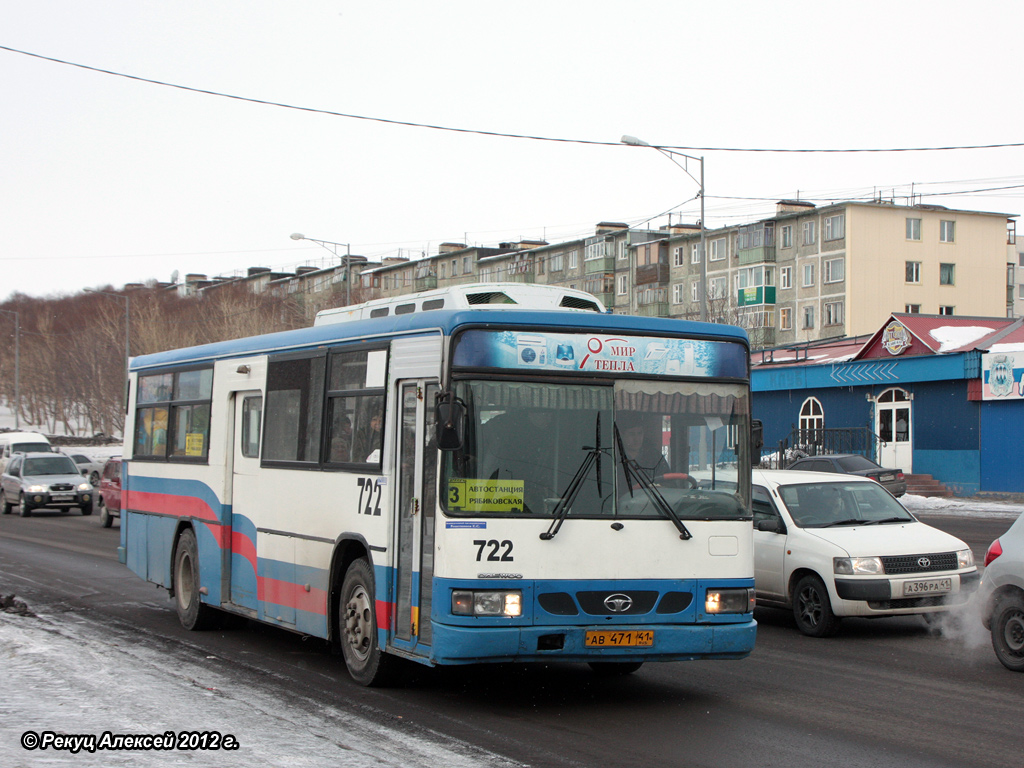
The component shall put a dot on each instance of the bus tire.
(357, 628)
(192, 614)
(812, 608)
(614, 668)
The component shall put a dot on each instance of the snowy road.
(63, 674)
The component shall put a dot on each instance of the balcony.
(762, 294)
(652, 273)
(657, 309)
(426, 283)
(756, 243)
(603, 264)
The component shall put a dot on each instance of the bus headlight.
(729, 601)
(467, 602)
(857, 566)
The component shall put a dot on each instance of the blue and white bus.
(454, 483)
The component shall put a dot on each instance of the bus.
(497, 482)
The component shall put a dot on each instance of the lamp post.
(17, 368)
(347, 259)
(671, 155)
(127, 333)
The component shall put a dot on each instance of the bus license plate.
(620, 639)
(934, 587)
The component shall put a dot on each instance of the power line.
(500, 134)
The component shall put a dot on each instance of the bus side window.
(252, 414)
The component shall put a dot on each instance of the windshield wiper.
(633, 474)
(889, 520)
(573, 490)
(849, 521)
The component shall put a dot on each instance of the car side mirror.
(772, 526)
(450, 420)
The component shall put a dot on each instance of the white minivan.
(828, 546)
(21, 442)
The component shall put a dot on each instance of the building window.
(556, 263)
(695, 253)
(947, 231)
(835, 270)
(623, 288)
(912, 309)
(465, 265)
(718, 249)
(947, 310)
(809, 317)
(833, 313)
(808, 275)
(812, 415)
(574, 259)
(1020, 291)
(785, 318)
(678, 292)
(913, 271)
(785, 277)
(678, 256)
(913, 229)
(786, 236)
(835, 227)
(718, 287)
(444, 268)
(947, 273)
(622, 250)
(695, 291)
(810, 232)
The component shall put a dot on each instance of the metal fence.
(817, 442)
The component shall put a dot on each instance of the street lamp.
(347, 259)
(671, 155)
(17, 368)
(127, 334)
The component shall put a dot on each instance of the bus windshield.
(527, 441)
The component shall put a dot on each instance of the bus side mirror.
(450, 418)
(756, 441)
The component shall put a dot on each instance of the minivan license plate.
(933, 587)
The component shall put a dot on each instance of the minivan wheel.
(812, 608)
(1008, 632)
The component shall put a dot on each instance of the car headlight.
(858, 566)
(469, 602)
(964, 558)
(84, 487)
(729, 600)
(37, 489)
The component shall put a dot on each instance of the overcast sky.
(107, 180)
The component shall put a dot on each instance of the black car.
(892, 480)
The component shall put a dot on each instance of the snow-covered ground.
(981, 507)
(64, 675)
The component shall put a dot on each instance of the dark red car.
(110, 491)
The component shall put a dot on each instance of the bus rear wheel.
(192, 614)
(357, 628)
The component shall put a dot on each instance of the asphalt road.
(881, 693)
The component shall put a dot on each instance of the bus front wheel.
(357, 625)
(192, 614)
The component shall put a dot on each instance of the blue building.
(944, 395)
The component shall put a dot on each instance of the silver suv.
(1002, 596)
(50, 480)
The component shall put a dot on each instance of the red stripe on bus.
(167, 504)
(243, 546)
(384, 612)
(292, 595)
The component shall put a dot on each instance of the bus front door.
(415, 510)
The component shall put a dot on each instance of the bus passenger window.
(252, 411)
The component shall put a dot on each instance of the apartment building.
(812, 272)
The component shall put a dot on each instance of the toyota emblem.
(924, 562)
(618, 603)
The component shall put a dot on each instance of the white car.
(829, 545)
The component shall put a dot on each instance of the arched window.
(812, 419)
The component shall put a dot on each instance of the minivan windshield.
(614, 448)
(822, 505)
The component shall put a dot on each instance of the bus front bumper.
(671, 642)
